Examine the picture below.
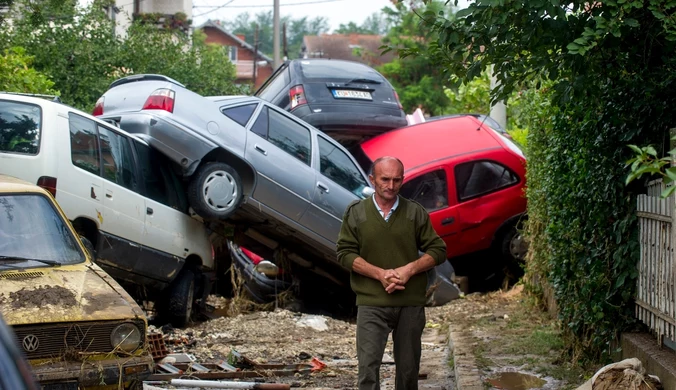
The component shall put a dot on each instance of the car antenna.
(482, 122)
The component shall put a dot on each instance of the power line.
(215, 9)
(264, 6)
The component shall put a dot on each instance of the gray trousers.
(374, 324)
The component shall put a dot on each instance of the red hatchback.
(470, 179)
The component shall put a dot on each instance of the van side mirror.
(367, 191)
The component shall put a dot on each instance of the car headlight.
(126, 337)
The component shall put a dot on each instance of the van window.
(478, 178)
(20, 127)
(84, 144)
(159, 183)
(429, 189)
(118, 163)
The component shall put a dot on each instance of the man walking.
(379, 242)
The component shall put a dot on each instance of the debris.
(156, 345)
(387, 359)
(304, 356)
(315, 322)
(628, 374)
(230, 385)
(169, 368)
(317, 365)
(225, 366)
(182, 357)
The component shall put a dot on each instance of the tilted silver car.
(245, 160)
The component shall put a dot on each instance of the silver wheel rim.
(518, 247)
(220, 191)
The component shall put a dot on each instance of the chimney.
(241, 36)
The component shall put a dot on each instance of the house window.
(232, 51)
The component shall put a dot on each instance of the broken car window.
(429, 189)
(19, 127)
(31, 228)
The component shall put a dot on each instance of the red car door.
(486, 191)
(433, 188)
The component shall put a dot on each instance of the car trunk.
(329, 95)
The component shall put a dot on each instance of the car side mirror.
(367, 191)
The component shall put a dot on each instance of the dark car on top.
(347, 100)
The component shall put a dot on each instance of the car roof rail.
(53, 98)
(143, 77)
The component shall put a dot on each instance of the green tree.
(296, 30)
(609, 64)
(18, 75)
(417, 80)
(75, 47)
(374, 24)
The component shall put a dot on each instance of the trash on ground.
(628, 374)
(229, 385)
(315, 322)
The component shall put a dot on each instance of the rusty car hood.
(81, 292)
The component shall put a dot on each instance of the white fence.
(656, 290)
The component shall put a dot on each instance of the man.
(379, 242)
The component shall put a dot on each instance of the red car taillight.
(48, 183)
(297, 96)
(98, 107)
(161, 99)
(396, 96)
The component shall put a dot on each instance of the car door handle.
(447, 221)
(260, 150)
(109, 195)
(149, 211)
(323, 187)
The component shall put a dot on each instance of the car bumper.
(355, 122)
(94, 373)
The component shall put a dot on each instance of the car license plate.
(350, 94)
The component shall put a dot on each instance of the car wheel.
(181, 297)
(215, 191)
(514, 248)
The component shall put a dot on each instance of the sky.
(336, 11)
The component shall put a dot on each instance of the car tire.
(181, 298)
(513, 249)
(215, 191)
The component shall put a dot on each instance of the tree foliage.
(296, 29)
(374, 24)
(18, 75)
(609, 67)
(77, 49)
(418, 81)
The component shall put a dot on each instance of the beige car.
(76, 325)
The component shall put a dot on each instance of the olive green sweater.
(388, 245)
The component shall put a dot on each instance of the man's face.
(387, 178)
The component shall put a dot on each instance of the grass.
(527, 338)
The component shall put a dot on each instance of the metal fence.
(656, 290)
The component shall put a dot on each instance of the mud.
(41, 296)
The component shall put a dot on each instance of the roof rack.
(53, 98)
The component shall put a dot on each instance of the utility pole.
(499, 109)
(255, 61)
(275, 34)
(285, 51)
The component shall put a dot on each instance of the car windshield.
(31, 228)
(338, 70)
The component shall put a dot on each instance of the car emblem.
(30, 343)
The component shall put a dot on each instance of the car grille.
(65, 340)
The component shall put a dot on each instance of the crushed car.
(76, 326)
(283, 184)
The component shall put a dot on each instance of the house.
(353, 47)
(167, 13)
(242, 54)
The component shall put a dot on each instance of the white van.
(118, 192)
